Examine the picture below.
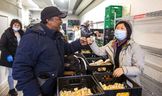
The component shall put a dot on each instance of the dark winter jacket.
(8, 46)
(39, 60)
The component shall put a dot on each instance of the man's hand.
(118, 72)
(83, 41)
(90, 41)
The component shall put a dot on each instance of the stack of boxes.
(111, 12)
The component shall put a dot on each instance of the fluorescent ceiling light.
(52, 2)
(62, 1)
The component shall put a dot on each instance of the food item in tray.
(107, 77)
(100, 62)
(85, 51)
(101, 69)
(123, 94)
(69, 73)
(112, 86)
(77, 92)
(107, 61)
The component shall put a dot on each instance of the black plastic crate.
(90, 55)
(73, 65)
(71, 82)
(98, 68)
(130, 86)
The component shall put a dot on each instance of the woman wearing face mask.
(8, 43)
(124, 53)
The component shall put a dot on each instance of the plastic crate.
(108, 35)
(90, 55)
(110, 10)
(109, 23)
(108, 31)
(98, 68)
(71, 82)
(110, 13)
(73, 65)
(130, 86)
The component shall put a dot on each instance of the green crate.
(109, 11)
(109, 23)
(109, 15)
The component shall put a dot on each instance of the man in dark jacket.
(40, 55)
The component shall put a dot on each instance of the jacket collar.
(128, 43)
(11, 32)
(42, 29)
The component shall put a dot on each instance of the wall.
(148, 32)
(9, 10)
(143, 6)
(133, 7)
(12, 11)
(145, 34)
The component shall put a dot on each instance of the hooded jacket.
(131, 57)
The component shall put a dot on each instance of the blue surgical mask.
(16, 29)
(120, 34)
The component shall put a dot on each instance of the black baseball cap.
(52, 11)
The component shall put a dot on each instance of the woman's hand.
(118, 72)
(90, 41)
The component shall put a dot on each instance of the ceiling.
(75, 7)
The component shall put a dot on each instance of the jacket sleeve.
(3, 45)
(23, 67)
(100, 51)
(72, 47)
(137, 62)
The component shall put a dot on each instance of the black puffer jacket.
(8, 45)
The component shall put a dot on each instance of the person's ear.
(47, 20)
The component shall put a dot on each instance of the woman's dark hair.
(128, 27)
(15, 21)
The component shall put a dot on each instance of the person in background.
(77, 32)
(99, 38)
(8, 44)
(126, 55)
(40, 57)
(85, 29)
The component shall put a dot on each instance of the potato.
(100, 62)
(107, 61)
(77, 92)
(112, 87)
(123, 94)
